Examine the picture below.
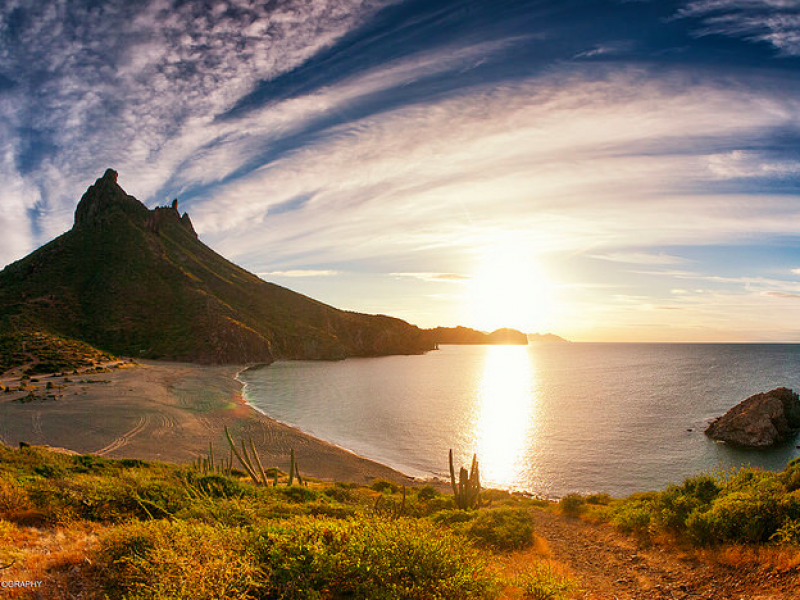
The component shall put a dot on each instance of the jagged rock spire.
(106, 197)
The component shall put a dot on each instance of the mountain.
(465, 335)
(546, 338)
(139, 282)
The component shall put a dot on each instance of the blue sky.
(607, 170)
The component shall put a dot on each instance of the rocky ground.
(612, 566)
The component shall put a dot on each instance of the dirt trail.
(611, 566)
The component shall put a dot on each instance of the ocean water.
(547, 418)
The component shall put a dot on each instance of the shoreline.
(169, 412)
(430, 479)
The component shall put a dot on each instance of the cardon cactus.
(467, 491)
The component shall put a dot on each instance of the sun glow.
(506, 414)
(509, 289)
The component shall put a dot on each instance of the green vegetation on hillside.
(747, 506)
(139, 283)
(46, 353)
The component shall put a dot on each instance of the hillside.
(138, 282)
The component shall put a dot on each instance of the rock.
(759, 421)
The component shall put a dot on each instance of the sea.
(547, 419)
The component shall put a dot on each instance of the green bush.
(633, 517)
(502, 528)
(219, 486)
(450, 517)
(599, 499)
(297, 493)
(383, 485)
(427, 493)
(394, 560)
(571, 504)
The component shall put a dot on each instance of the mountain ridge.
(138, 282)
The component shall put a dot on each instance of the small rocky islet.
(760, 421)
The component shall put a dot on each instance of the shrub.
(297, 493)
(427, 493)
(176, 560)
(571, 504)
(453, 517)
(788, 533)
(743, 516)
(396, 560)
(674, 505)
(339, 494)
(599, 499)
(633, 517)
(502, 528)
(218, 486)
(383, 485)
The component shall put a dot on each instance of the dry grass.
(56, 557)
(782, 559)
(531, 564)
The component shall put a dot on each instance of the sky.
(606, 170)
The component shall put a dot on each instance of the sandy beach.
(168, 412)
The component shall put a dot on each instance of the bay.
(545, 418)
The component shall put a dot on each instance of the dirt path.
(611, 566)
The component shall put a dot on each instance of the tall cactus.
(294, 470)
(256, 473)
(467, 491)
(251, 462)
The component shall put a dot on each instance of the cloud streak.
(775, 22)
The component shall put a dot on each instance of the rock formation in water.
(759, 421)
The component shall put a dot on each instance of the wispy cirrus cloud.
(446, 277)
(139, 85)
(776, 22)
(300, 273)
(641, 258)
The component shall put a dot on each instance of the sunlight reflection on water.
(507, 413)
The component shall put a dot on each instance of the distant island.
(467, 336)
(546, 338)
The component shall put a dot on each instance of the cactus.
(209, 464)
(258, 476)
(294, 471)
(467, 492)
(251, 462)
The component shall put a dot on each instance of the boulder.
(759, 421)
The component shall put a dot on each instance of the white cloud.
(776, 22)
(641, 258)
(437, 277)
(299, 273)
(571, 162)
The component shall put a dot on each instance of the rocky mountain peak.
(106, 198)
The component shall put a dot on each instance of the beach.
(164, 411)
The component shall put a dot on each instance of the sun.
(509, 289)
